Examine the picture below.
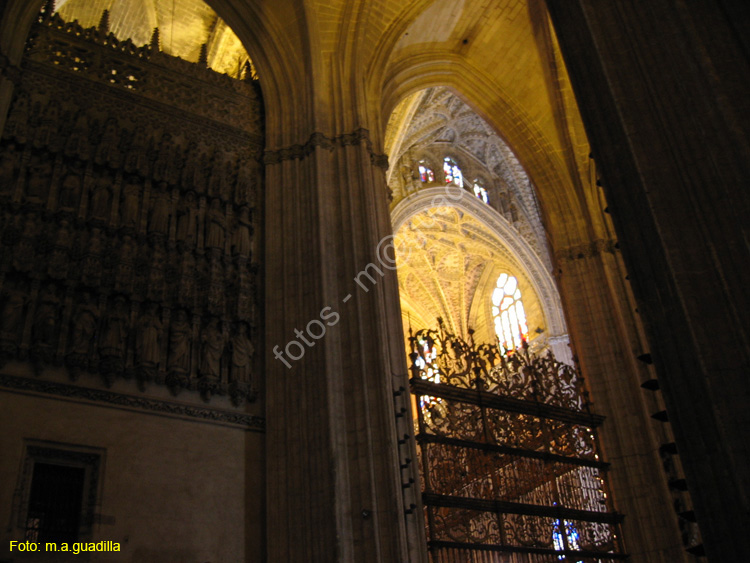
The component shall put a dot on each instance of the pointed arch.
(542, 281)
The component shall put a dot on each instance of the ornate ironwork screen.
(508, 456)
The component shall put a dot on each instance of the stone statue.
(242, 243)
(108, 149)
(242, 355)
(200, 174)
(148, 337)
(213, 348)
(78, 142)
(115, 329)
(227, 181)
(159, 217)
(156, 271)
(24, 253)
(11, 323)
(70, 192)
(217, 171)
(131, 194)
(245, 182)
(46, 132)
(92, 262)
(216, 226)
(8, 165)
(125, 267)
(17, 124)
(44, 329)
(57, 264)
(192, 158)
(100, 196)
(187, 278)
(163, 159)
(187, 222)
(137, 157)
(179, 343)
(84, 327)
(39, 179)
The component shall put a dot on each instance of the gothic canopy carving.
(185, 27)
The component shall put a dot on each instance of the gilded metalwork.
(508, 455)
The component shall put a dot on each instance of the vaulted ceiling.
(448, 264)
(436, 120)
(448, 260)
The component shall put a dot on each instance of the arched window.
(480, 191)
(428, 369)
(507, 309)
(425, 172)
(452, 172)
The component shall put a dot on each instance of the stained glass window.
(425, 173)
(452, 172)
(481, 192)
(428, 370)
(509, 314)
(571, 538)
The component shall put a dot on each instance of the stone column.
(334, 358)
(605, 331)
(662, 88)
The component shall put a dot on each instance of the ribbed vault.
(450, 253)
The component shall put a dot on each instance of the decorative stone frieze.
(318, 139)
(589, 250)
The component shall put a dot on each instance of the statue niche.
(108, 151)
(178, 358)
(83, 332)
(8, 167)
(131, 198)
(44, 330)
(187, 221)
(78, 143)
(38, 183)
(113, 339)
(148, 342)
(242, 244)
(212, 349)
(46, 134)
(70, 191)
(25, 252)
(241, 370)
(17, 125)
(100, 199)
(158, 222)
(11, 323)
(215, 226)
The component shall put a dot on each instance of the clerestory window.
(452, 172)
(508, 312)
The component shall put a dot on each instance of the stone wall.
(130, 190)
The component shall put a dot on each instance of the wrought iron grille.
(508, 456)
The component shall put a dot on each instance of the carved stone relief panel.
(127, 230)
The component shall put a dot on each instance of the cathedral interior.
(374, 281)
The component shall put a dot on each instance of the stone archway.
(499, 232)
